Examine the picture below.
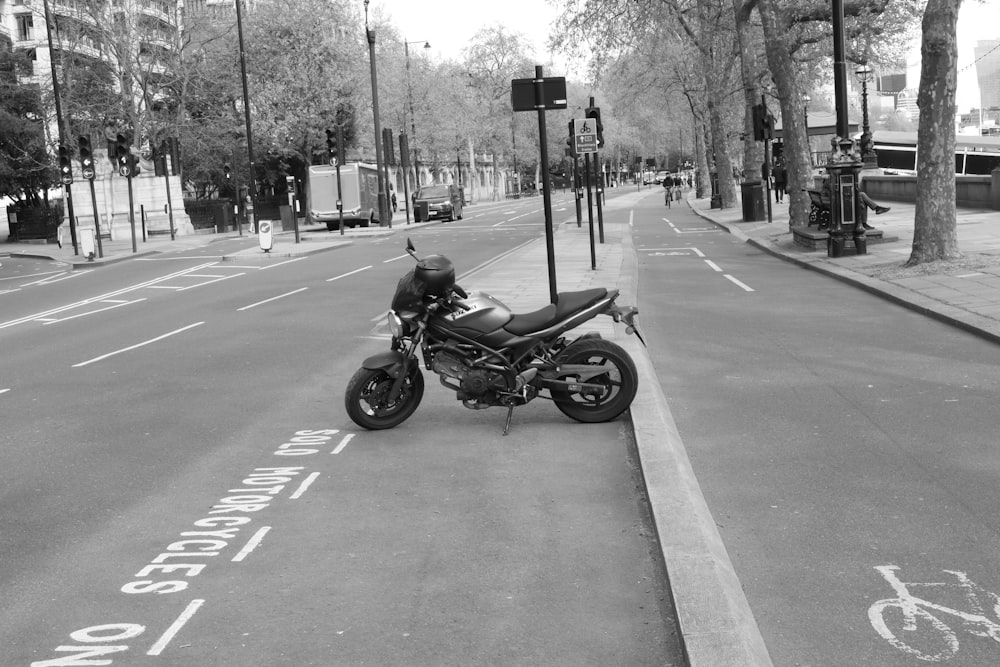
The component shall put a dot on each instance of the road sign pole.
(600, 194)
(131, 212)
(546, 189)
(97, 222)
(590, 212)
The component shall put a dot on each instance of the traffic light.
(595, 113)
(86, 157)
(763, 123)
(331, 145)
(65, 166)
(227, 171)
(123, 157)
(387, 146)
(571, 142)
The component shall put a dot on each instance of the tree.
(25, 166)
(935, 226)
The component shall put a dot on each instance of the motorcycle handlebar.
(460, 292)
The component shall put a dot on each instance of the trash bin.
(753, 200)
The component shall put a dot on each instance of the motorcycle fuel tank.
(482, 314)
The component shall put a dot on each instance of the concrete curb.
(716, 624)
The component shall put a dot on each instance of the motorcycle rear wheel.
(367, 398)
(620, 384)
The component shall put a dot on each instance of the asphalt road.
(183, 486)
(844, 444)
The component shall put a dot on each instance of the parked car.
(437, 201)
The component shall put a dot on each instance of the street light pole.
(413, 118)
(864, 75)
(805, 116)
(246, 116)
(370, 34)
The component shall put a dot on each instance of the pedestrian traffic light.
(65, 166)
(227, 171)
(86, 157)
(595, 113)
(123, 156)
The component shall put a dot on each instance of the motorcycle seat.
(567, 303)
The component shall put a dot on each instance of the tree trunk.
(935, 227)
(784, 71)
(753, 152)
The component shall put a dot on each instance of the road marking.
(58, 277)
(736, 282)
(175, 627)
(252, 544)
(102, 297)
(304, 486)
(343, 443)
(215, 279)
(349, 273)
(4, 391)
(117, 304)
(137, 345)
(273, 298)
(287, 261)
(386, 261)
(715, 267)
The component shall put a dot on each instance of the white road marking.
(137, 345)
(175, 627)
(4, 391)
(349, 273)
(117, 304)
(736, 282)
(287, 261)
(215, 279)
(273, 298)
(343, 443)
(304, 486)
(386, 261)
(251, 544)
(715, 267)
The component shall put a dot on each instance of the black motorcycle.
(490, 356)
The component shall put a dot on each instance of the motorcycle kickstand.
(510, 413)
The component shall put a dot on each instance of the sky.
(449, 25)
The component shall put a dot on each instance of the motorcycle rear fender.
(392, 362)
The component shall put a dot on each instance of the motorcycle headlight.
(395, 324)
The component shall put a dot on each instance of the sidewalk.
(964, 293)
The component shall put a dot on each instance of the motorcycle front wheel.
(367, 398)
(620, 382)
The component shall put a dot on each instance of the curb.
(716, 623)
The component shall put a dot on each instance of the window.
(24, 26)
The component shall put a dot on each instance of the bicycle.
(943, 641)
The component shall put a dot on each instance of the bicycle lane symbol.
(914, 625)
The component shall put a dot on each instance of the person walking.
(780, 181)
(668, 194)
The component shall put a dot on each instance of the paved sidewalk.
(964, 293)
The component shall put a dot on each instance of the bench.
(819, 208)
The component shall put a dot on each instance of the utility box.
(753, 200)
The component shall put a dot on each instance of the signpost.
(539, 94)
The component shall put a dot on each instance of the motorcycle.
(490, 356)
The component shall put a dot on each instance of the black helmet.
(437, 273)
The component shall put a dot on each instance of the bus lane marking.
(343, 443)
(175, 567)
(175, 627)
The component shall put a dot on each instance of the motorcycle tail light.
(395, 324)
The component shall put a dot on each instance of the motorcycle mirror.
(410, 249)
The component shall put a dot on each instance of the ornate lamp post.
(864, 75)
(413, 118)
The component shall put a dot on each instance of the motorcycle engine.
(473, 383)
